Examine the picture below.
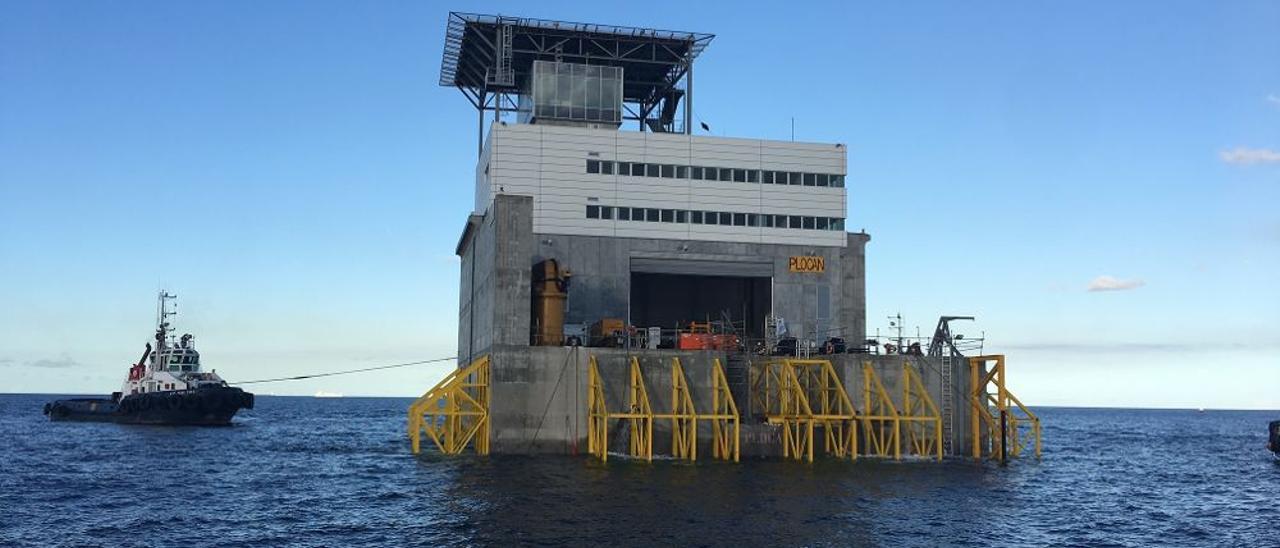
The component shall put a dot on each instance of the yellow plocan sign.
(813, 264)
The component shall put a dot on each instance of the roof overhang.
(653, 60)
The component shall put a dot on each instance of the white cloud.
(1244, 156)
(53, 363)
(1107, 283)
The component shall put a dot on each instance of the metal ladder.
(503, 72)
(948, 404)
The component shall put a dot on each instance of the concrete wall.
(496, 278)
(499, 249)
(539, 396)
(602, 278)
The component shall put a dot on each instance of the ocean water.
(338, 472)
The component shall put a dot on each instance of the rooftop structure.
(491, 59)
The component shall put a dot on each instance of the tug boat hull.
(207, 406)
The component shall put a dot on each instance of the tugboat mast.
(162, 325)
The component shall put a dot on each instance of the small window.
(793, 178)
(668, 171)
(739, 219)
(753, 176)
(682, 216)
(753, 219)
(606, 212)
(624, 168)
(824, 223)
(810, 179)
(651, 170)
(766, 177)
(720, 174)
(837, 224)
(651, 215)
(766, 221)
(637, 170)
(682, 172)
(606, 167)
(695, 173)
(668, 216)
(837, 181)
(794, 221)
(624, 214)
(726, 218)
(809, 222)
(823, 179)
(695, 217)
(593, 212)
(593, 166)
(739, 175)
(780, 221)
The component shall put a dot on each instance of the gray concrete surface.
(539, 397)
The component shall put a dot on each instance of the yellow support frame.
(920, 418)
(1006, 408)
(639, 415)
(800, 395)
(726, 433)
(831, 406)
(684, 418)
(597, 413)
(462, 420)
(881, 424)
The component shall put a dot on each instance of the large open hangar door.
(672, 292)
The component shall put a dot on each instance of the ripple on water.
(307, 472)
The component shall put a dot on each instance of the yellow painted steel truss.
(455, 412)
(804, 395)
(1003, 416)
(881, 425)
(684, 417)
(920, 418)
(800, 396)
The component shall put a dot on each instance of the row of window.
(702, 173)
(724, 218)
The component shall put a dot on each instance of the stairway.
(948, 403)
(737, 370)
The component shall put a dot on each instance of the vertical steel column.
(1003, 403)
(975, 393)
(688, 94)
(480, 127)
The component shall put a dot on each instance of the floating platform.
(612, 403)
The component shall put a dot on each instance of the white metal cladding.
(549, 163)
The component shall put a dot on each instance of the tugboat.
(165, 387)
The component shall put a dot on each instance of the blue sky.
(294, 172)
